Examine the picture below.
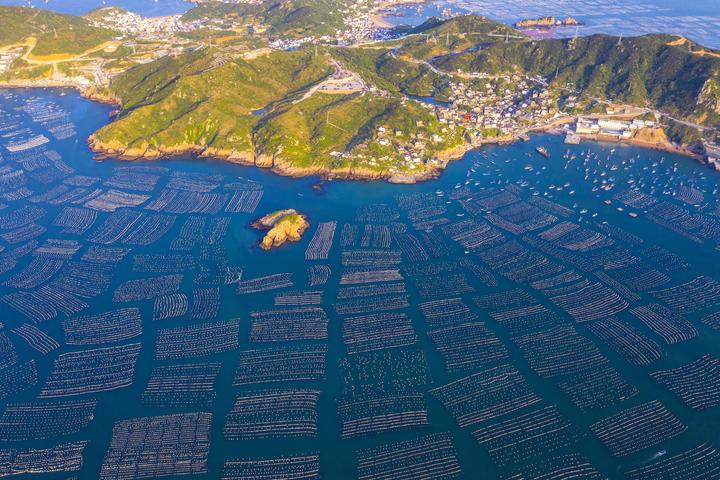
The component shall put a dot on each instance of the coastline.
(280, 167)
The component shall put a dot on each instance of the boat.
(542, 151)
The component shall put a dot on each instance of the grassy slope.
(183, 103)
(644, 71)
(55, 33)
(292, 18)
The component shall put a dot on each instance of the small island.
(282, 226)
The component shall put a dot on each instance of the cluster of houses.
(147, 28)
(8, 56)
(508, 109)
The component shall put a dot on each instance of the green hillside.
(55, 33)
(651, 70)
(290, 18)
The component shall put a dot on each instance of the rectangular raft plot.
(37, 272)
(447, 312)
(486, 395)
(190, 385)
(412, 249)
(321, 242)
(194, 181)
(371, 258)
(66, 457)
(590, 302)
(371, 290)
(534, 435)
(162, 263)
(302, 323)
(672, 327)
(299, 298)
(132, 180)
(699, 463)
(244, 201)
(697, 383)
(468, 346)
(377, 303)
(398, 369)
(349, 235)
(75, 220)
(596, 388)
(38, 340)
(698, 294)
(318, 275)
(162, 446)
(57, 249)
(182, 202)
(25, 215)
(520, 217)
(44, 303)
(8, 354)
(147, 288)
(422, 458)
(376, 213)
(639, 277)
(197, 340)
(266, 283)
(114, 199)
(107, 327)
(83, 279)
(635, 347)
(663, 258)
(149, 229)
(273, 414)
(434, 286)
(44, 420)
(191, 233)
(712, 321)
(10, 259)
(472, 235)
(379, 413)
(24, 233)
(281, 364)
(562, 467)
(363, 275)
(100, 254)
(409, 201)
(637, 428)
(301, 467)
(115, 226)
(375, 236)
(206, 303)
(377, 332)
(559, 351)
(17, 378)
(91, 371)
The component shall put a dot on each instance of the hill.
(288, 18)
(55, 33)
(651, 70)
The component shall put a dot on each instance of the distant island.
(317, 88)
(282, 226)
(547, 22)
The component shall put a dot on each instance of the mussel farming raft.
(496, 322)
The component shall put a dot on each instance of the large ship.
(542, 151)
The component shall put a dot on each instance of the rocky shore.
(282, 226)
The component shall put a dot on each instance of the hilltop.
(53, 33)
(285, 85)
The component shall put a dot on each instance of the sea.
(518, 315)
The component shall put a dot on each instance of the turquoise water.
(498, 183)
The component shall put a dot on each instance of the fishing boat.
(542, 151)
